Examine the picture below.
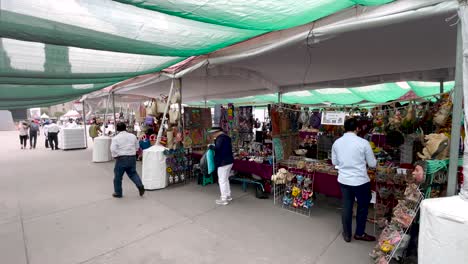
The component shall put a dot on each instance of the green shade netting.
(36, 103)
(32, 92)
(252, 14)
(380, 93)
(363, 96)
(19, 59)
(112, 26)
(429, 88)
(68, 42)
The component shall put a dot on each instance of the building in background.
(58, 110)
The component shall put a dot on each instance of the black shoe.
(115, 195)
(365, 237)
(346, 238)
(142, 190)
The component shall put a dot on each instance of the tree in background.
(58, 114)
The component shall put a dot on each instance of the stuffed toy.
(435, 147)
(440, 118)
(409, 120)
(281, 176)
(394, 122)
(379, 122)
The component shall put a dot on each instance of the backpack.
(33, 127)
(204, 164)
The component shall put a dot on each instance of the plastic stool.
(207, 179)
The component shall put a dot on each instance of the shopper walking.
(52, 131)
(223, 161)
(124, 147)
(351, 154)
(33, 133)
(45, 130)
(23, 134)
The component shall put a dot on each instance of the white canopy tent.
(407, 40)
(71, 114)
(44, 116)
(404, 40)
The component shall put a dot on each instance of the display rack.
(296, 194)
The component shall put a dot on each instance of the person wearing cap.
(124, 147)
(223, 161)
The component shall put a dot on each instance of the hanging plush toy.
(445, 108)
(409, 120)
(435, 147)
(379, 122)
(394, 122)
(304, 118)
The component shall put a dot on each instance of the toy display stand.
(154, 168)
(443, 231)
(101, 149)
(283, 192)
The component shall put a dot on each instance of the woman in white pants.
(224, 161)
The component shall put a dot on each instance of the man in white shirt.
(350, 155)
(124, 147)
(52, 131)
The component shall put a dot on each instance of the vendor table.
(325, 184)
(265, 171)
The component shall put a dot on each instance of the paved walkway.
(56, 208)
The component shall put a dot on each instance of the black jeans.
(125, 164)
(362, 194)
(53, 140)
(23, 140)
(32, 137)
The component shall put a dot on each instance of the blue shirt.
(350, 155)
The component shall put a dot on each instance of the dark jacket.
(223, 151)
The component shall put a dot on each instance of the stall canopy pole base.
(164, 119)
(456, 117)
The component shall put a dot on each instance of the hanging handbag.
(173, 116)
(161, 103)
(152, 108)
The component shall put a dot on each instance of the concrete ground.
(56, 208)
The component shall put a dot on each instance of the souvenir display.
(298, 189)
(179, 164)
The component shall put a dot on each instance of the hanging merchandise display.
(405, 189)
(196, 123)
(179, 165)
(399, 134)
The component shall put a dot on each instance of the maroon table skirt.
(327, 184)
(244, 166)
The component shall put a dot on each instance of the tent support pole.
(456, 117)
(84, 123)
(107, 110)
(164, 119)
(441, 86)
(113, 109)
(180, 123)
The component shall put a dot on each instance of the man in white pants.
(224, 161)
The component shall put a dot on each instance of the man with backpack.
(33, 133)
